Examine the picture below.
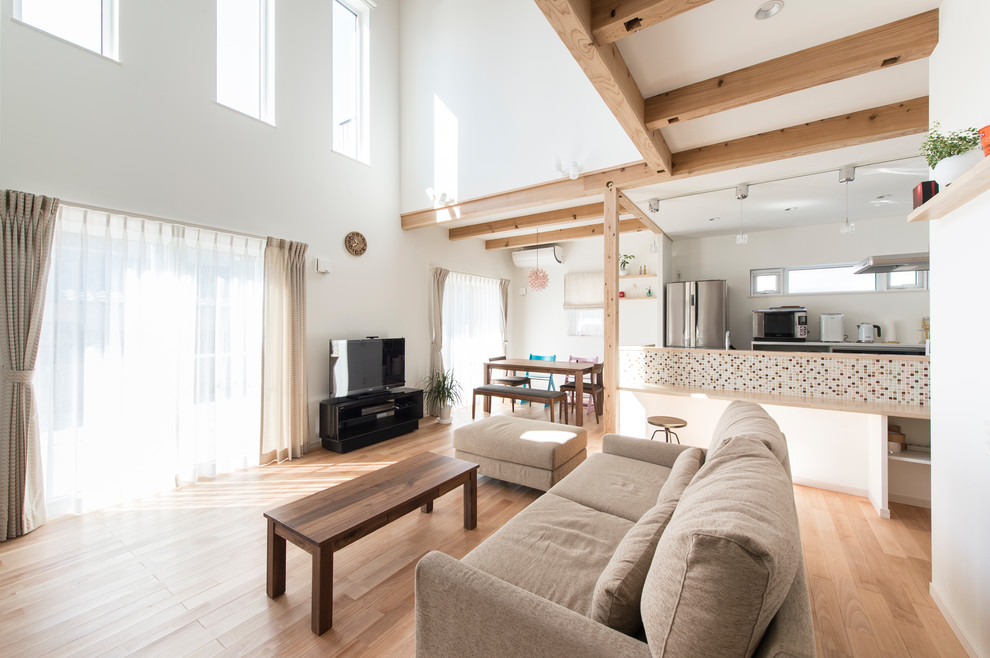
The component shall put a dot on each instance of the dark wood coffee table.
(330, 520)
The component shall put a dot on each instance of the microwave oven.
(781, 323)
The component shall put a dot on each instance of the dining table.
(576, 369)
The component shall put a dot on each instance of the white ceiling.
(723, 36)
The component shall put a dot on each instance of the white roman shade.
(584, 290)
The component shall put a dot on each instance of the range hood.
(893, 263)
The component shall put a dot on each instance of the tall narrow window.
(91, 24)
(350, 79)
(245, 54)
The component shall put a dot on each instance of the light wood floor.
(183, 573)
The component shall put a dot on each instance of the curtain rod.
(480, 276)
(87, 206)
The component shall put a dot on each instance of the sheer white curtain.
(149, 372)
(472, 326)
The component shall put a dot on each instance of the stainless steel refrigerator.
(696, 314)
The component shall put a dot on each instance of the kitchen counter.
(785, 400)
(837, 348)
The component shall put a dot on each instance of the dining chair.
(509, 379)
(542, 375)
(592, 388)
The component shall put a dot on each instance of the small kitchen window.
(766, 282)
(835, 278)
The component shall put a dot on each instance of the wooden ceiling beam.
(612, 20)
(888, 45)
(886, 122)
(625, 203)
(536, 220)
(560, 235)
(557, 191)
(610, 76)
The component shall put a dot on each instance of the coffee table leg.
(322, 589)
(471, 501)
(428, 507)
(276, 562)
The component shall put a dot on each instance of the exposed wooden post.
(611, 352)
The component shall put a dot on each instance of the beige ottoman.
(533, 453)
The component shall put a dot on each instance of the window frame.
(881, 281)
(362, 148)
(266, 65)
(109, 29)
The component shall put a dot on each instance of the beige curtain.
(28, 226)
(503, 286)
(284, 394)
(436, 347)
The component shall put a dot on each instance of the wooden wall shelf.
(967, 187)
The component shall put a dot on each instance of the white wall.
(540, 325)
(827, 449)
(145, 136)
(516, 95)
(960, 97)
(721, 258)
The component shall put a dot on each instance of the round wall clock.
(356, 243)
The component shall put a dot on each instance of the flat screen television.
(368, 365)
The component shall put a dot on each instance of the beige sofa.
(645, 549)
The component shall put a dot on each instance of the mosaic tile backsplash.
(874, 378)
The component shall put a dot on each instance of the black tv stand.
(355, 422)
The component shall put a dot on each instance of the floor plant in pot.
(442, 392)
(951, 154)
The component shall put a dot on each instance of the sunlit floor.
(183, 573)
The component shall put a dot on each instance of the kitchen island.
(834, 409)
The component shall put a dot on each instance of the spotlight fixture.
(769, 9)
(742, 191)
(846, 175)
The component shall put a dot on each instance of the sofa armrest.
(791, 632)
(463, 611)
(644, 450)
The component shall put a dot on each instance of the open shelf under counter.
(913, 456)
(967, 187)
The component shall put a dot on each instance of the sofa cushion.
(620, 587)
(749, 418)
(616, 485)
(555, 548)
(727, 559)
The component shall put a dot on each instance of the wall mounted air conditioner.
(550, 253)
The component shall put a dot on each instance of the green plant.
(938, 146)
(441, 389)
(624, 260)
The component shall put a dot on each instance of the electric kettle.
(868, 332)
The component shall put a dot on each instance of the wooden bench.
(527, 394)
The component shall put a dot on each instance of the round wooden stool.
(667, 424)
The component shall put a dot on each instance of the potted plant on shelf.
(442, 391)
(951, 154)
(624, 261)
